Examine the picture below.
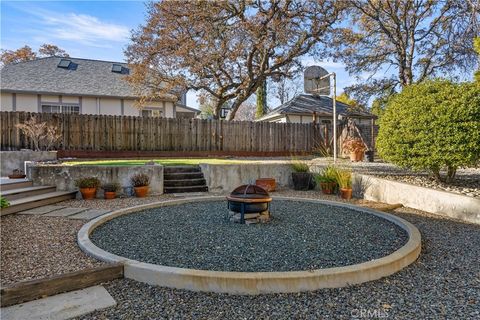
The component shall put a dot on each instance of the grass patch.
(165, 162)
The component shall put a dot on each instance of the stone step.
(185, 189)
(10, 184)
(26, 192)
(37, 201)
(184, 183)
(178, 169)
(183, 176)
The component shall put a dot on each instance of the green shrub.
(4, 203)
(89, 182)
(344, 178)
(111, 187)
(140, 180)
(328, 174)
(432, 126)
(299, 166)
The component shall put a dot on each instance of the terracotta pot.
(346, 193)
(88, 193)
(269, 184)
(110, 194)
(356, 156)
(328, 187)
(16, 176)
(141, 192)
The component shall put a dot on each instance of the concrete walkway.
(61, 306)
(62, 211)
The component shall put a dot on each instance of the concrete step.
(9, 184)
(183, 176)
(184, 183)
(185, 189)
(37, 201)
(26, 192)
(178, 169)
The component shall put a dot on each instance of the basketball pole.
(334, 117)
(334, 76)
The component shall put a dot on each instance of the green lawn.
(165, 162)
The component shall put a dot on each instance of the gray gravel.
(36, 247)
(301, 236)
(444, 283)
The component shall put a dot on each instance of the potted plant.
(344, 180)
(269, 184)
(4, 203)
(301, 175)
(140, 182)
(327, 179)
(88, 187)
(17, 174)
(355, 147)
(110, 190)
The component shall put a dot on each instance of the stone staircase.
(181, 179)
(22, 195)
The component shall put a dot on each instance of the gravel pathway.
(301, 236)
(117, 203)
(444, 283)
(36, 247)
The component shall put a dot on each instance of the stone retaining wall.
(11, 160)
(226, 177)
(435, 201)
(64, 176)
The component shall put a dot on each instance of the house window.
(154, 113)
(58, 108)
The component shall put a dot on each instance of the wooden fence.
(123, 133)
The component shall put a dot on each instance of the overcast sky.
(95, 30)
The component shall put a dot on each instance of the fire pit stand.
(250, 199)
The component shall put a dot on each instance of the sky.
(98, 30)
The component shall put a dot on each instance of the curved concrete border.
(256, 282)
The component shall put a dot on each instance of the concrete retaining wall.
(226, 177)
(435, 201)
(11, 160)
(64, 176)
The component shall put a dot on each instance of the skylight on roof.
(118, 68)
(64, 63)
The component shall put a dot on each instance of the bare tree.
(417, 39)
(50, 50)
(225, 48)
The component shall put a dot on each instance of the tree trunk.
(261, 100)
(451, 172)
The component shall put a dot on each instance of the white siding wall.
(27, 102)
(70, 99)
(6, 102)
(129, 109)
(89, 105)
(45, 98)
(110, 106)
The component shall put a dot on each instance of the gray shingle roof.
(86, 78)
(308, 104)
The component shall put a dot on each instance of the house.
(307, 108)
(82, 86)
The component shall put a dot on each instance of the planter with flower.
(355, 147)
(88, 187)
(344, 180)
(327, 179)
(140, 182)
(110, 190)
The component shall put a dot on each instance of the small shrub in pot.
(344, 180)
(110, 190)
(301, 175)
(140, 182)
(327, 179)
(88, 187)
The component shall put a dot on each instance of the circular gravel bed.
(302, 236)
